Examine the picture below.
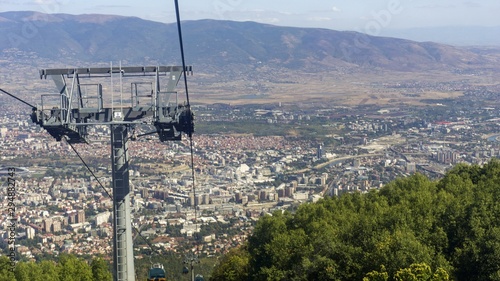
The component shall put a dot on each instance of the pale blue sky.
(369, 16)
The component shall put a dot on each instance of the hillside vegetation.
(412, 229)
(68, 268)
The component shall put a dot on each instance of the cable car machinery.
(69, 113)
(73, 116)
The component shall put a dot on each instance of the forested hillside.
(412, 229)
(67, 268)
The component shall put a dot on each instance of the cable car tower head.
(77, 106)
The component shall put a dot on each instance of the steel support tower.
(123, 255)
(77, 106)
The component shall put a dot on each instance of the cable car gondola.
(157, 273)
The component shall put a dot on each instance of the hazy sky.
(368, 16)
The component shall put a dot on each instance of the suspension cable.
(109, 195)
(25, 102)
(179, 30)
(190, 133)
(88, 168)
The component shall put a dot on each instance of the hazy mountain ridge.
(219, 44)
(454, 35)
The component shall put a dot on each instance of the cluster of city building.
(62, 208)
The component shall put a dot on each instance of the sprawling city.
(239, 176)
(273, 147)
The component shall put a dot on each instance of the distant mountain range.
(454, 35)
(215, 44)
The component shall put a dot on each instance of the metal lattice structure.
(77, 106)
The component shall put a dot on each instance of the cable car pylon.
(68, 113)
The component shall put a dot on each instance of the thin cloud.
(262, 20)
(113, 6)
(44, 2)
(320, 19)
(4, 2)
(262, 11)
(257, 15)
(335, 9)
(272, 20)
(436, 6)
(471, 4)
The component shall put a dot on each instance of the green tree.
(67, 268)
(6, 273)
(421, 272)
(49, 270)
(406, 275)
(377, 275)
(22, 272)
(84, 271)
(267, 228)
(234, 266)
(71, 268)
(100, 270)
(440, 275)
